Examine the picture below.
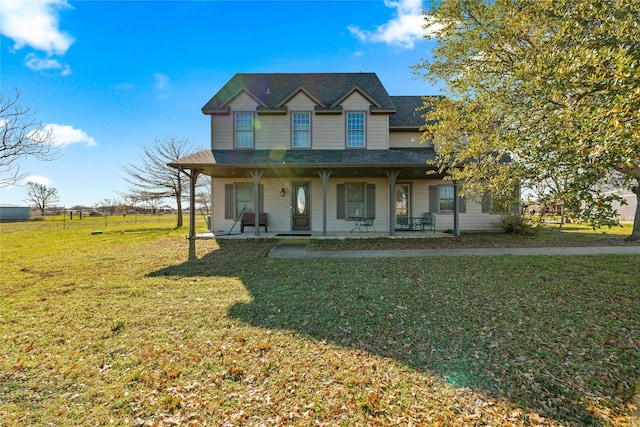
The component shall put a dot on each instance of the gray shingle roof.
(272, 89)
(395, 157)
(408, 111)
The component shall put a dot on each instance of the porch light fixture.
(282, 192)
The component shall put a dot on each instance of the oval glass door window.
(302, 201)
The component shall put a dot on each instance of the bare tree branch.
(41, 196)
(21, 136)
(154, 179)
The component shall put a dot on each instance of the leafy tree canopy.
(550, 84)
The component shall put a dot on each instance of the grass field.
(120, 328)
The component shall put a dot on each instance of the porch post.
(257, 176)
(456, 216)
(324, 177)
(393, 176)
(193, 177)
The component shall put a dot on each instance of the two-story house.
(318, 153)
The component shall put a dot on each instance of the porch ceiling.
(409, 162)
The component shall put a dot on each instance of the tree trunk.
(179, 205)
(635, 233)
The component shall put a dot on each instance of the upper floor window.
(301, 130)
(244, 130)
(355, 130)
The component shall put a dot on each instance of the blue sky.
(110, 77)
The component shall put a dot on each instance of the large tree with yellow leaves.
(552, 85)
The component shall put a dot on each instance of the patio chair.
(428, 221)
(368, 222)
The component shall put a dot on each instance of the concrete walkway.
(299, 250)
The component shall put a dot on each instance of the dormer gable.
(304, 91)
(353, 90)
(225, 108)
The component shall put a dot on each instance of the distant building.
(14, 213)
(166, 209)
(626, 212)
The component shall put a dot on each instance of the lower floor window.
(355, 200)
(238, 198)
(244, 198)
(441, 199)
(446, 198)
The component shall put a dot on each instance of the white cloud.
(162, 81)
(34, 23)
(161, 85)
(47, 64)
(66, 135)
(402, 31)
(43, 180)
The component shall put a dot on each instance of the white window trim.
(235, 196)
(364, 198)
(308, 113)
(235, 130)
(440, 210)
(364, 130)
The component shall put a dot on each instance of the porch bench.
(249, 219)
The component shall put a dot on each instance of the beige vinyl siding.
(272, 131)
(381, 222)
(222, 137)
(328, 131)
(355, 102)
(222, 132)
(473, 219)
(243, 102)
(377, 125)
(278, 208)
(377, 131)
(405, 140)
(300, 102)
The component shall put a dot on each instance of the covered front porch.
(317, 193)
(283, 183)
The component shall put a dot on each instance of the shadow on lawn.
(542, 346)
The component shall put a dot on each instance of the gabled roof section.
(304, 91)
(361, 92)
(272, 90)
(231, 92)
(409, 113)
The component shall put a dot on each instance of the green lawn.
(119, 328)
